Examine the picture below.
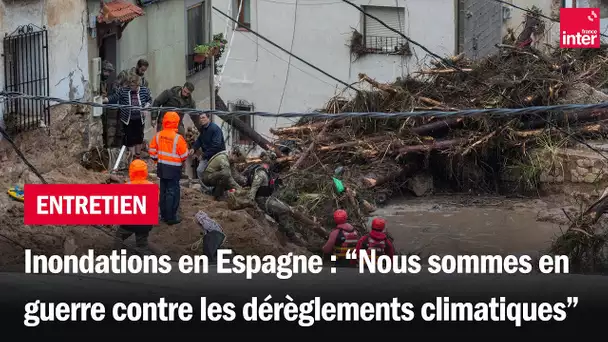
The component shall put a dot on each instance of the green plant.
(218, 44)
(202, 49)
(221, 44)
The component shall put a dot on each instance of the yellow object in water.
(16, 193)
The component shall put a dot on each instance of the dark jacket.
(173, 98)
(211, 140)
(123, 97)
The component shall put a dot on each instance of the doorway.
(111, 121)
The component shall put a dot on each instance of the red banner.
(90, 204)
(579, 28)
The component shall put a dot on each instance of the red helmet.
(340, 216)
(378, 224)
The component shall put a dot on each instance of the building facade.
(164, 32)
(258, 76)
(44, 53)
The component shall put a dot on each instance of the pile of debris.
(377, 157)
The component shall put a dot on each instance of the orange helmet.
(340, 216)
(378, 224)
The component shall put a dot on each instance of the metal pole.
(212, 60)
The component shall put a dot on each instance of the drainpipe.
(212, 62)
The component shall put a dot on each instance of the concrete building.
(44, 52)
(164, 32)
(257, 75)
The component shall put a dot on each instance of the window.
(378, 38)
(242, 106)
(244, 13)
(196, 35)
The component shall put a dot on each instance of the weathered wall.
(258, 72)
(549, 8)
(66, 24)
(577, 164)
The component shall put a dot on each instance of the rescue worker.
(169, 150)
(138, 174)
(341, 239)
(262, 193)
(376, 240)
(178, 97)
(106, 70)
(218, 175)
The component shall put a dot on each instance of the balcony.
(193, 67)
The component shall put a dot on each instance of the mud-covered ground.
(56, 154)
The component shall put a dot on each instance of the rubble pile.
(378, 157)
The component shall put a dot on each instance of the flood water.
(468, 225)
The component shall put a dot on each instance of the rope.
(376, 115)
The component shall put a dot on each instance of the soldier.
(106, 70)
(262, 193)
(218, 176)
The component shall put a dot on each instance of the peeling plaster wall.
(66, 24)
(256, 71)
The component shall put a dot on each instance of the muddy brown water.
(469, 225)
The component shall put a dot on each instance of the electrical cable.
(377, 115)
(291, 54)
(293, 38)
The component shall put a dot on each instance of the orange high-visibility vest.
(168, 148)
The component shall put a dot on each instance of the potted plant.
(200, 53)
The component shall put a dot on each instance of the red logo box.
(90, 204)
(579, 28)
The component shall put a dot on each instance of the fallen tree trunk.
(315, 226)
(442, 71)
(306, 128)
(437, 145)
(304, 155)
(598, 127)
(376, 84)
(437, 126)
(354, 143)
(405, 171)
(569, 118)
(259, 160)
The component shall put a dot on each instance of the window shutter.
(391, 16)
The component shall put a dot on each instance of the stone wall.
(578, 164)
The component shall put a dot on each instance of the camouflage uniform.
(172, 98)
(123, 77)
(218, 175)
(261, 193)
(103, 85)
